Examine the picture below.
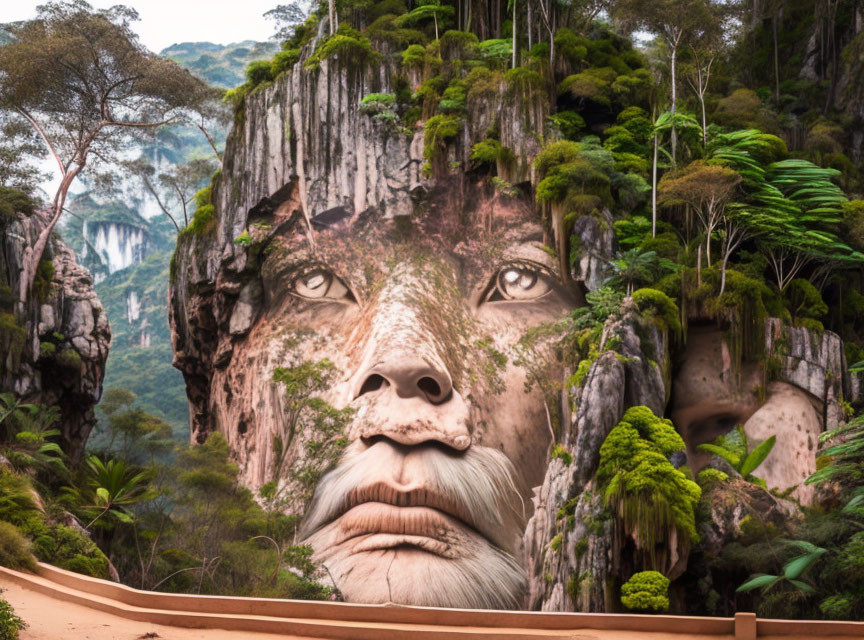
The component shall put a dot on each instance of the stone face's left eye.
(319, 283)
(518, 281)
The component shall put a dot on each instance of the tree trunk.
(34, 256)
(774, 18)
(654, 190)
(673, 133)
(530, 34)
(333, 25)
(514, 33)
(723, 274)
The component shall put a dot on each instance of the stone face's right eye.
(319, 283)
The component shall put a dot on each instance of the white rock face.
(117, 245)
(133, 306)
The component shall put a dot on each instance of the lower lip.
(376, 525)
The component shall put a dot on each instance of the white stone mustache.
(475, 486)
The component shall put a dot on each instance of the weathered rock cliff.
(55, 344)
(303, 147)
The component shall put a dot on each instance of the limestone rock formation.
(56, 343)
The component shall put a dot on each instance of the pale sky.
(167, 22)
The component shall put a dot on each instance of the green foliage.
(44, 280)
(659, 305)
(708, 478)
(574, 175)
(568, 123)
(306, 413)
(283, 61)
(560, 452)
(12, 339)
(10, 624)
(651, 498)
(14, 201)
(439, 130)
(348, 45)
(204, 219)
(804, 300)
(792, 571)
(414, 56)
(646, 591)
(15, 549)
(735, 449)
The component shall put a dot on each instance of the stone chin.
(421, 526)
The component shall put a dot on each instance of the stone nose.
(412, 403)
(409, 377)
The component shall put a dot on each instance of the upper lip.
(415, 496)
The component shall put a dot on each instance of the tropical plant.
(10, 624)
(27, 436)
(736, 451)
(632, 267)
(109, 489)
(792, 571)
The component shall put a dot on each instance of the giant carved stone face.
(450, 430)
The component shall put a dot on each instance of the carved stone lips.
(411, 516)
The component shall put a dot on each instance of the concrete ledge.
(382, 622)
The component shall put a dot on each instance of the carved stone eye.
(518, 282)
(320, 283)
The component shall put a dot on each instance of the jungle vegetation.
(722, 148)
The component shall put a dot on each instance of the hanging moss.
(439, 130)
(12, 339)
(661, 307)
(42, 283)
(650, 497)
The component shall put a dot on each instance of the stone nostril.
(430, 387)
(373, 383)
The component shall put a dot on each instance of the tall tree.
(677, 22)
(80, 78)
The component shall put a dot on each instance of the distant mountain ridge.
(220, 65)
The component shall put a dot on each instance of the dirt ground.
(51, 619)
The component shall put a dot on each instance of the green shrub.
(804, 300)
(14, 201)
(525, 82)
(458, 45)
(47, 349)
(69, 359)
(660, 306)
(414, 56)
(560, 452)
(258, 72)
(646, 591)
(10, 624)
(354, 49)
(569, 123)
(15, 549)
(283, 61)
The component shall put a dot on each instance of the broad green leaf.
(806, 588)
(102, 492)
(760, 581)
(797, 566)
(757, 456)
(729, 456)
